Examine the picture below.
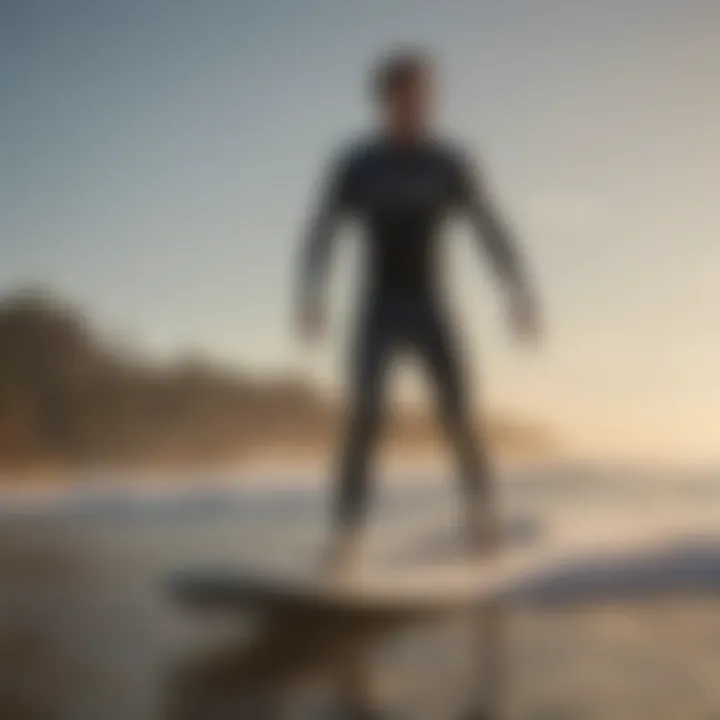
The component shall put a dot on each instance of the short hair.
(395, 72)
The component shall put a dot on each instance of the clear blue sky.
(157, 160)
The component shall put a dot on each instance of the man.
(401, 185)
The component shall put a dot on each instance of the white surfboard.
(426, 589)
(428, 576)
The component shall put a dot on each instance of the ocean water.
(88, 629)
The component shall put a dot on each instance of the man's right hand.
(311, 323)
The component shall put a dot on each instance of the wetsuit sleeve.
(334, 201)
(473, 199)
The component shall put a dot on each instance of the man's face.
(410, 108)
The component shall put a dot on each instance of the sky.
(158, 161)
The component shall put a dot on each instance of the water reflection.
(255, 678)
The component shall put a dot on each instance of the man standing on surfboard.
(401, 184)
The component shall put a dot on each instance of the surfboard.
(390, 591)
(252, 588)
(428, 576)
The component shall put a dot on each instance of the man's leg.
(370, 360)
(442, 358)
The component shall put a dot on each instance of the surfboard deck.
(410, 591)
(430, 574)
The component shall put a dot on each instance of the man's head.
(403, 86)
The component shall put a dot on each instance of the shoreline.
(264, 463)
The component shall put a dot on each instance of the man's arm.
(317, 247)
(502, 249)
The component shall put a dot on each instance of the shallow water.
(87, 629)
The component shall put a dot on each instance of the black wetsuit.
(401, 194)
